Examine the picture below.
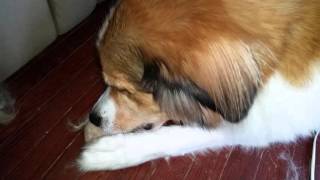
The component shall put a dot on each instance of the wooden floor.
(62, 83)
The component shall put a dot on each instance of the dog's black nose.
(95, 119)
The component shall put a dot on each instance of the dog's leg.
(127, 150)
(275, 117)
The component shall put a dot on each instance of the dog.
(233, 72)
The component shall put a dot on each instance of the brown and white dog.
(235, 72)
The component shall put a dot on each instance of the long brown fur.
(226, 49)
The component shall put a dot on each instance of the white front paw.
(109, 153)
(120, 151)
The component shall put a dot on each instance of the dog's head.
(186, 62)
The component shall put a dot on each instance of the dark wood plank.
(37, 98)
(174, 168)
(12, 152)
(93, 175)
(301, 157)
(137, 172)
(276, 162)
(144, 171)
(50, 147)
(242, 164)
(65, 168)
(210, 165)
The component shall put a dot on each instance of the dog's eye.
(124, 91)
(145, 127)
(148, 126)
(120, 90)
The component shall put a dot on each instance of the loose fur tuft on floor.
(7, 109)
(292, 173)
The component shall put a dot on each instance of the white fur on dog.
(105, 25)
(280, 113)
(106, 109)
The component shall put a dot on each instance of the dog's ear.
(112, 5)
(224, 79)
(181, 99)
(231, 72)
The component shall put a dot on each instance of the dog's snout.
(95, 119)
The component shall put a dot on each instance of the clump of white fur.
(7, 109)
(292, 172)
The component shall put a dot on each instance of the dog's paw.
(109, 153)
(121, 151)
